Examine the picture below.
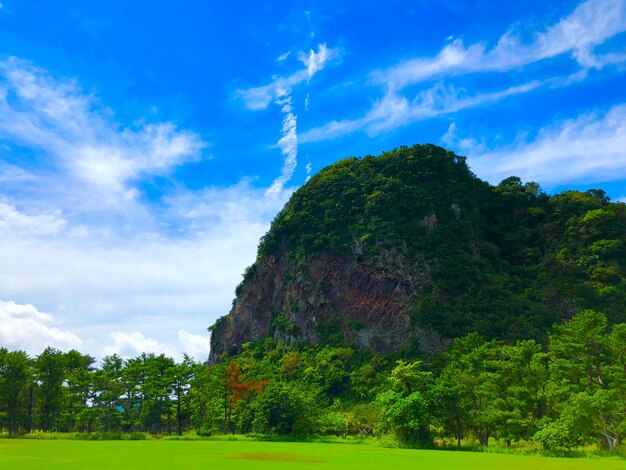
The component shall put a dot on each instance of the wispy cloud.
(464, 145)
(394, 110)
(590, 24)
(82, 138)
(279, 91)
(259, 98)
(288, 143)
(589, 148)
(284, 56)
(578, 34)
(11, 175)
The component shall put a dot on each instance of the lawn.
(137, 455)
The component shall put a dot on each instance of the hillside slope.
(409, 249)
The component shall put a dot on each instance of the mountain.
(408, 250)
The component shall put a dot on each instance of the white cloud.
(450, 136)
(16, 224)
(467, 145)
(129, 344)
(259, 98)
(23, 327)
(81, 138)
(195, 346)
(288, 143)
(589, 148)
(279, 91)
(134, 343)
(11, 175)
(284, 56)
(220, 210)
(96, 280)
(452, 56)
(590, 24)
(26, 328)
(394, 110)
(316, 61)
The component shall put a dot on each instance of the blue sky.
(146, 146)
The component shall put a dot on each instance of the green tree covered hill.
(410, 249)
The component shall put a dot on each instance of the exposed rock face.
(365, 303)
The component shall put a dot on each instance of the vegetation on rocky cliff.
(455, 254)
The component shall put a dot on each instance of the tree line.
(568, 392)
(66, 392)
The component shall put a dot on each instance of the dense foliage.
(568, 393)
(506, 261)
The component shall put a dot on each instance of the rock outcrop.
(332, 297)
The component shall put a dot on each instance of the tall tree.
(79, 381)
(15, 381)
(181, 377)
(50, 373)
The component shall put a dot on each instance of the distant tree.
(283, 408)
(133, 377)
(157, 387)
(209, 402)
(587, 378)
(404, 409)
(78, 391)
(181, 377)
(50, 372)
(108, 392)
(445, 399)
(15, 386)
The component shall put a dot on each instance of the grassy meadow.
(18, 454)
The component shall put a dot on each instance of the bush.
(283, 409)
(407, 417)
(558, 435)
(334, 423)
(362, 419)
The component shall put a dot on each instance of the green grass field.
(118, 455)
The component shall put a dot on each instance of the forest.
(567, 393)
